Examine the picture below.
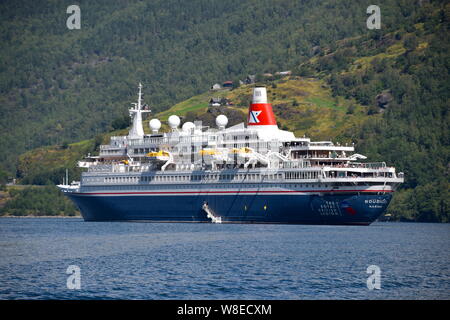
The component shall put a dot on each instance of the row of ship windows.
(302, 175)
(207, 178)
(114, 151)
(194, 148)
(143, 150)
(228, 186)
(188, 178)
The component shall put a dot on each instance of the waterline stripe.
(224, 192)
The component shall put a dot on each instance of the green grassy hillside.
(302, 105)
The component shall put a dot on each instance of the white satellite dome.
(188, 126)
(174, 121)
(221, 121)
(155, 125)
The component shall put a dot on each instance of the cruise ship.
(246, 173)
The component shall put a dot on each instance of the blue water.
(210, 261)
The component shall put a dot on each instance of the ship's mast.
(137, 131)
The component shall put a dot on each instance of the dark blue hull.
(345, 209)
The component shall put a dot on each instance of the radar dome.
(221, 121)
(155, 125)
(188, 126)
(174, 121)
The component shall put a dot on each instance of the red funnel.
(260, 112)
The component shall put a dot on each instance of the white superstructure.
(259, 152)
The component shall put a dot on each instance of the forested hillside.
(59, 86)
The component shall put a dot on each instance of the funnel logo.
(253, 116)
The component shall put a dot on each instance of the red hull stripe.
(235, 192)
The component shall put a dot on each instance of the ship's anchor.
(211, 214)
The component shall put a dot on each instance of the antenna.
(137, 130)
(140, 96)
